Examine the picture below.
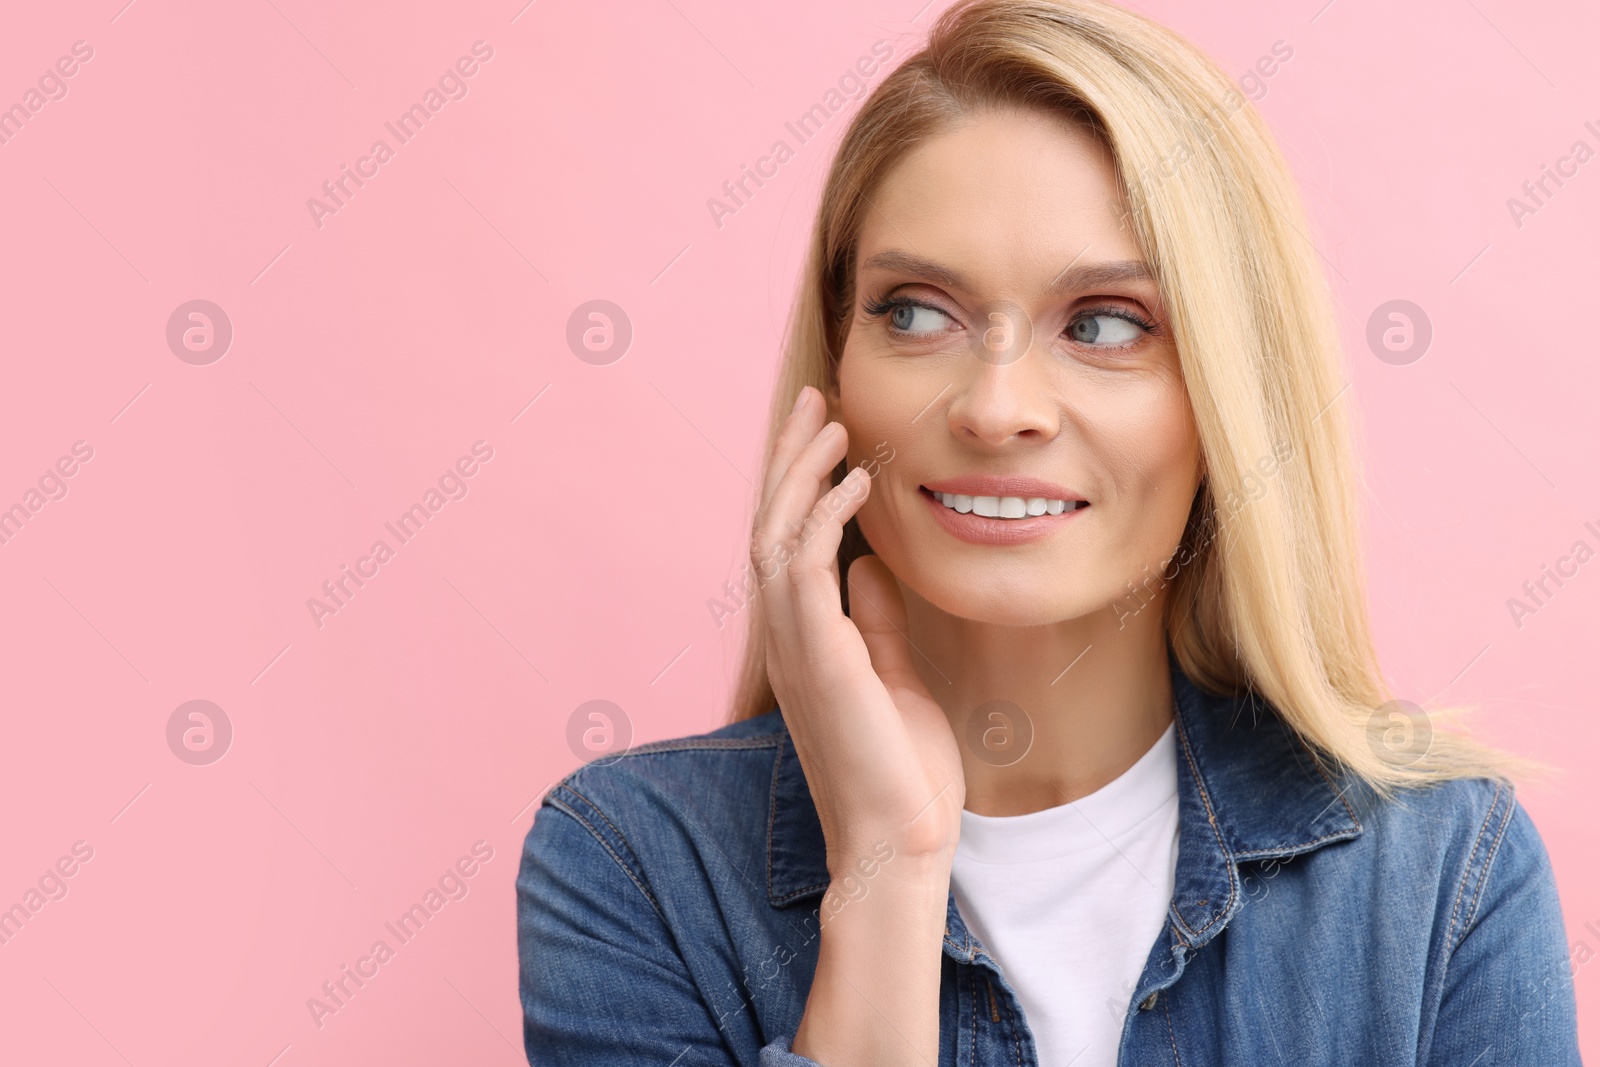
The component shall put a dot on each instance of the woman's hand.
(878, 752)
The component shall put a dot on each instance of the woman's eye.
(1104, 330)
(913, 318)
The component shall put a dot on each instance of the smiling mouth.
(1004, 507)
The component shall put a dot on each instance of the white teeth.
(1005, 507)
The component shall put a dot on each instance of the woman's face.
(1004, 329)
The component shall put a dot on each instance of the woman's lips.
(982, 530)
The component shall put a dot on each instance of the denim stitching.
(604, 818)
(1275, 851)
(772, 815)
(964, 948)
(1166, 1005)
(1488, 863)
(1317, 764)
(680, 744)
(607, 846)
(1450, 937)
(1178, 922)
(1233, 886)
(1011, 1024)
(972, 981)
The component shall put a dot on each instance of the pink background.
(371, 352)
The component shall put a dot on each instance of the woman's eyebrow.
(1075, 276)
(919, 266)
(1094, 275)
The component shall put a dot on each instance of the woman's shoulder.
(1472, 817)
(670, 799)
(1470, 837)
(726, 761)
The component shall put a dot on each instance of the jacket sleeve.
(1508, 990)
(601, 979)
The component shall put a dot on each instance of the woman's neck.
(1095, 695)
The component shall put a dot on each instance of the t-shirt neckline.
(1092, 821)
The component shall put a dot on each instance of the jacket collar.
(1248, 789)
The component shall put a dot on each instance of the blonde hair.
(1270, 597)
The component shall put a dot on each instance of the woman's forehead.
(1002, 196)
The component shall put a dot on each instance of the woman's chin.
(1015, 601)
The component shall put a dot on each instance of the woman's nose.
(998, 401)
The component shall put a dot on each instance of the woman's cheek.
(872, 416)
(879, 517)
(1167, 449)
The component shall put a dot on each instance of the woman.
(1089, 759)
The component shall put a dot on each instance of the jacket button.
(1148, 1002)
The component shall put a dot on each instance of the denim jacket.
(668, 908)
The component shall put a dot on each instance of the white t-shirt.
(1069, 901)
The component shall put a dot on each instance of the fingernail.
(799, 401)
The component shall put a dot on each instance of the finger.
(794, 497)
(775, 533)
(879, 612)
(804, 622)
(840, 470)
(813, 575)
(799, 427)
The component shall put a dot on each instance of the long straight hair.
(1270, 594)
